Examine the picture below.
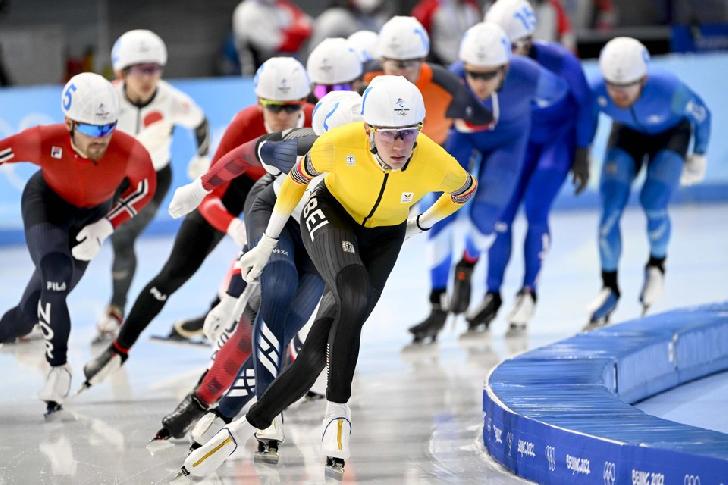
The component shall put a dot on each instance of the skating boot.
(335, 439)
(207, 426)
(269, 440)
(652, 287)
(106, 363)
(602, 308)
(430, 326)
(209, 457)
(56, 388)
(107, 328)
(176, 423)
(189, 329)
(460, 299)
(485, 313)
(521, 313)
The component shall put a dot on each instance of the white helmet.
(335, 109)
(403, 38)
(136, 47)
(485, 45)
(281, 79)
(364, 42)
(89, 98)
(333, 61)
(623, 60)
(392, 101)
(515, 17)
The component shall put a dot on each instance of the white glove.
(236, 230)
(219, 318)
(155, 136)
(413, 227)
(252, 262)
(92, 237)
(197, 166)
(186, 198)
(694, 169)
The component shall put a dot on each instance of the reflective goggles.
(321, 90)
(404, 63)
(148, 68)
(278, 106)
(408, 135)
(95, 131)
(482, 75)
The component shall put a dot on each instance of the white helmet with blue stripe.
(623, 60)
(335, 109)
(89, 98)
(485, 45)
(137, 47)
(515, 17)
(392, 102)
(282, 79)
(403, 38)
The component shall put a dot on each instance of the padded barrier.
(563, 414)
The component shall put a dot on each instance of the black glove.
(580, 170)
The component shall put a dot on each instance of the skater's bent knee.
(352, 287)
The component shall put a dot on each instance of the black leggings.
(355, 263)
(51, 225)
(123, 265)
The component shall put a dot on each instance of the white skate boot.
(108, 325)
(601, 309)
(206, 427)
(652, 287)
(56, 388)
(269, 440)
(521, 313)
(209, 457)
(335, 439)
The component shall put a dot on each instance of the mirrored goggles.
(278, 106)
(482, 75)
(95, 131)
(321, 90)
(408, 135)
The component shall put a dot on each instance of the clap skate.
(335, 439)
(184, 332)
(107, 328)
(521, 313)
(176, 423)
(56, 389)
(98, 368)
(602, 309)
(430, 327)
(652, 287)
(207, 426)
(480, 317)
(269, 440)
(460, 299)
(211, 455)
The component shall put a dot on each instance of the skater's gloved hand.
(92, 237)
(252, 262)
(236, 230)
(197, 166)
(219, 318)
(155, 136)
(580, 170)
(187, 198)
(414, 227)
(694, 169)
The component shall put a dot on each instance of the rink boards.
(562, 413)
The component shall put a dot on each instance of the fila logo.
(158, 294)
(407, 197)
(56, 286)
(57, 153)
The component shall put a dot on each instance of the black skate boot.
(460, 299)
(430, 326)
(483, 314)
(98, 368)
(176, 423)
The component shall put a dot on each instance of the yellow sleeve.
(458, 186)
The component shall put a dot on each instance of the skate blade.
(163, 339)
(516, 332)
(54, 412)
(266, 457)
(83, 388)
(645, 309)
(155, 446)
(419, 347)
(181, 478)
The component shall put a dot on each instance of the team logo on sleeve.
(347, 246)
(57, 153)
(407, 197)
(350, 160)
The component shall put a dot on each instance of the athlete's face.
(281, 115)
(484, 81)
(141, 81)
(394, 145)
(91, 147)
(625, 95)
(522, 46)
(409, 68)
